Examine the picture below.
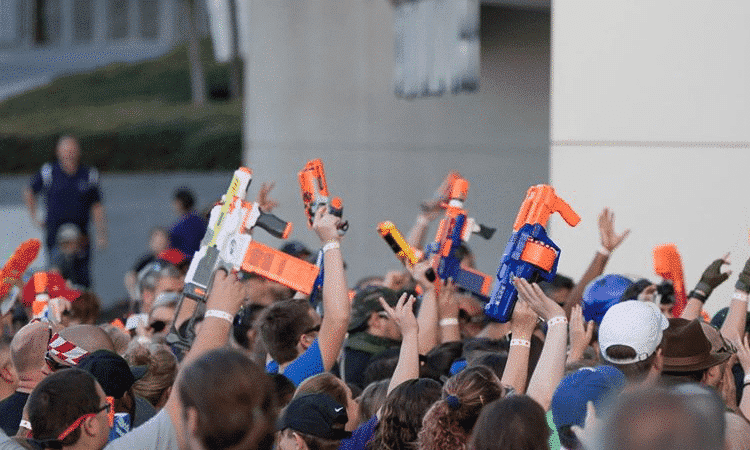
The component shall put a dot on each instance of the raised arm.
(743, 355)
(734, 325)
(609, 241)
(712, 277)
(407, 367)
(431, 210)
(551, 365)
(29, 198)
(522, 325)
(448, 313)
(336, 307)
(428, 310)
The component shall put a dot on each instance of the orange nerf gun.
(312, 183)
(407, 254)
(443, 192)
(530, 253)
(13, 270)
(668, 265)
(455, 228)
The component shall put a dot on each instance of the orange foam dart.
(668, 265)
(19, 261)
(540, 203)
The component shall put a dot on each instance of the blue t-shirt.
(306, 365)
(69, 198)
(361, 436)
(187, 233)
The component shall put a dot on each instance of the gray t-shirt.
(7, 443)
(156, 434)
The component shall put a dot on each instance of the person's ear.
(8, 374)
(299, 442)
(305, 341)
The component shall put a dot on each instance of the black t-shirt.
(11, 412)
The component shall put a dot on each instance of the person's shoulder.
(158, 433)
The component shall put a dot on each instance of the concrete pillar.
(319, 84)
(650, 117)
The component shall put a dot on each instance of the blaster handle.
(486, 232)
(274, 225)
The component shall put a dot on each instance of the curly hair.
(402, 414)
(448, 423)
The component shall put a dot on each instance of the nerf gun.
(455, 228)
(443, 193)
(530, 254)
(314, 189)
(228, 245)
(48, 296)
(13, 270)
(668, 265)
(407, 254)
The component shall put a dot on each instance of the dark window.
(149, 14)
(83, 21)
(117, 19)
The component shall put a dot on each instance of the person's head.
(8, 376)
(368, 314)
(568, 406)
(227, 402)
(314, 422)
(662, 419)
(558, 289)
(156, 385)
(448, 423)
(162, 314)
(512, 423)
(85, 310)
(27, 350)
(68, 239)
(183, 200)
(69, 409)
(630, 336)
(71, 345)
(601, 294)
(68, 154)
(372, 398)
(115, 377)
(327, 383)
(158, 240)
(243, 328)
(288, 328)
(687, 352)
(402, 413)
(156, 278)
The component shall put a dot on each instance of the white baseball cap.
(636, 324)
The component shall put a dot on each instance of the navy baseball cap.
(603, 292)
(111, 371)
(589, 384)
(317, 415)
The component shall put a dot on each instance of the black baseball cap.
(111, 371)
(317, 415)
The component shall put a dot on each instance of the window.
(83, 21)
(149, 15)
(118, 25)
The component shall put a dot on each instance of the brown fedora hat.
(686, 347)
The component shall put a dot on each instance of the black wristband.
(698, 295)
(740, 285)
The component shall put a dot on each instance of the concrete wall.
(650, 116)
(319, 85)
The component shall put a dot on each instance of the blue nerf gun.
(530, 253)
(454, 229)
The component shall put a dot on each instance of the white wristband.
(520, 342)
(25, 424)
(448, 321)
(556, 320)
(746, 380)
(604, 251)
(740, 296)
(330, 245)
(219, 315)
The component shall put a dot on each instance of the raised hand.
(326, 225)
(402, 314)
(581, 334)
(524, 320)
(610, 240)
(264, 200)
(712, 277)
(538, 301)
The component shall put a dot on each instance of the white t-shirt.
(156, 434)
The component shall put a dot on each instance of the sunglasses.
(157, 326)
(109, 408)
(314, 329)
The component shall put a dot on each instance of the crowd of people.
(394, 361)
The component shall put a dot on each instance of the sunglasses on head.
(53, 364)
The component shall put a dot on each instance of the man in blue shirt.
(187, 232)
(72, 196)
